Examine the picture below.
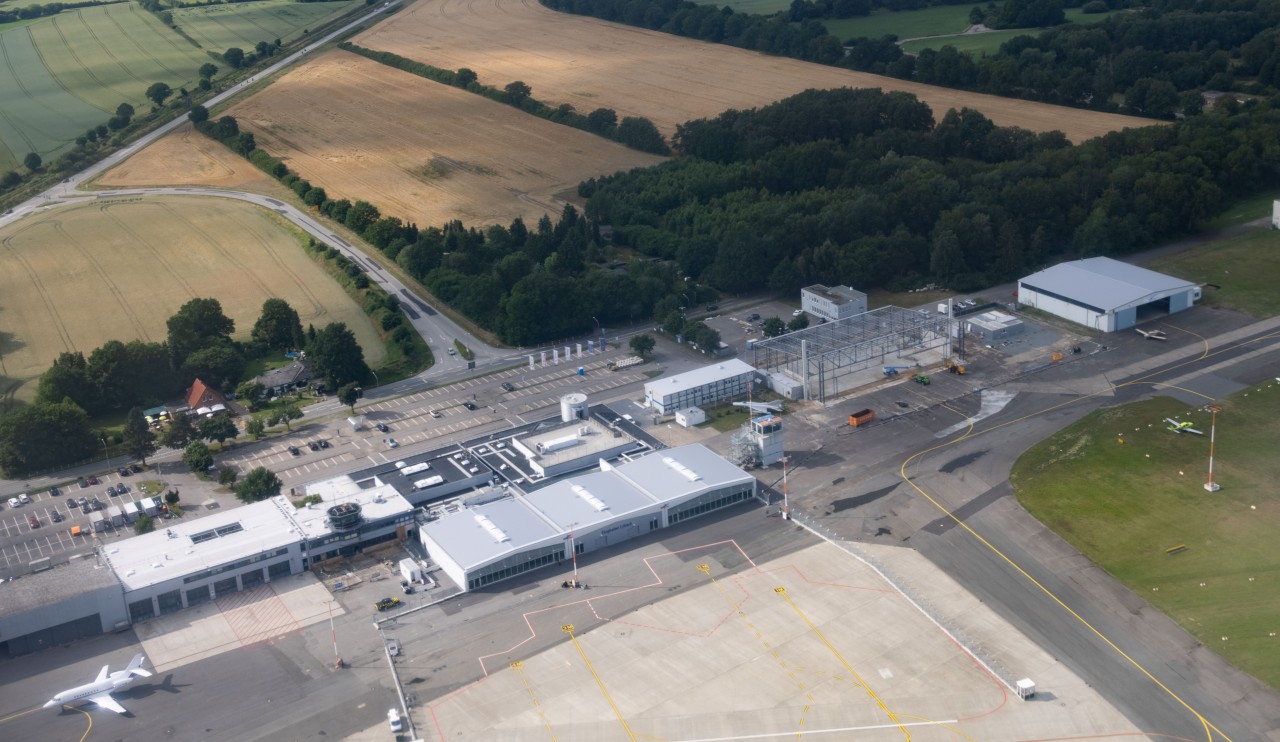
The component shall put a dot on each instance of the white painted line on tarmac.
(811, 731)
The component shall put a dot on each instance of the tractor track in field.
(156, 253)
(46, 298)
(106, 281)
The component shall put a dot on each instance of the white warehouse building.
(494, 541)
(1105, 294)
(719, 382)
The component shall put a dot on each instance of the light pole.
(375, 377)
(573, 551)
(105, 455)
(338, 664)
(786, 506)
(1212, 486)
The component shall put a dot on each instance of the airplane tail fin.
(135, 667)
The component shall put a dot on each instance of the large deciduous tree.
(259, 484)
(234, 56)
(180, 433)
(278, 326)
(44, 436)
(139, 441)
(197, 324)
(158, 93)
(336, 356)
(197, 457)
(218, 428)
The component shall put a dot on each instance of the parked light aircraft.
(1178, 427)
(1152, 335)
(100, 690)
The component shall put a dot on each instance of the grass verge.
(1125, 505)
(1246, 266)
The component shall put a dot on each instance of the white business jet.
(100, 690)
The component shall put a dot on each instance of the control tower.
(766, 430)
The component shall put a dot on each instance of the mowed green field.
(1247, 267)
(755, 7)
(219, 27)
(1126, 505)
(63, 74)
(117, 269)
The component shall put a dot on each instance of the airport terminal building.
(494, 541)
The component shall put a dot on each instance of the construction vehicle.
(955, 368)
(893, 370)
(921, 379)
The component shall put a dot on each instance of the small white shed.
(690, 417)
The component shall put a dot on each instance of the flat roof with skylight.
(193, 546)
(476, 536)
(678, 472)
(589, 499)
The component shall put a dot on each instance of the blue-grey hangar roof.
(1104, 284)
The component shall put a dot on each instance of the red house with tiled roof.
(201, 395)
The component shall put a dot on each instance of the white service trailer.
(131, 512)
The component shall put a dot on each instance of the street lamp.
(786, 506)
(338, 664)
(573, 550)
(105, 455)
(375, 377)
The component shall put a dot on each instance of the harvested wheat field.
(74, 277)
(186, 157)
(419, 150)
(590, 64)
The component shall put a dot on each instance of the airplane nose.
(51, 704)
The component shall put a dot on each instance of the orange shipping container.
(862, 417)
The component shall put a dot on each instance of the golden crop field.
(591, 63)
(420, 150)
(186, 157)
(116, 269)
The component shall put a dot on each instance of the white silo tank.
(573, 407)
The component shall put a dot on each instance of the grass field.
(219, 27)
(420, 150)
(1258, 207)
(185, 157)
(1247, 267)
(75, 277)
(62, 74)
(989, 43)
(757, 7)
(1125, 505)
(590, 63)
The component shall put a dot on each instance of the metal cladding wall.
(1029, 297)
(87, 614)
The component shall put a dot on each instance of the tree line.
(36, 10)
(635, 132)
(117, 376)
(862, 187)
(1154, 61)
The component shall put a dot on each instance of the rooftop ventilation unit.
(591, 499)
(497, 533)
(684, 471)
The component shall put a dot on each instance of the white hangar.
(1105, 294)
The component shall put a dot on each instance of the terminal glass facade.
(514, 565)
(713, 500)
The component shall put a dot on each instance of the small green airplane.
(1181, 427)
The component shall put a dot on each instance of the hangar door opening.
(1153, 310)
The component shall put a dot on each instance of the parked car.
(394, 721)
(712, 307)
(382, 428)
(54, 492)
(24, 499)
(453, 352)
(294, 450)
(393, 443)
(436, 413)
(122, 488)
(313, 445)
(82, 482)
(14, 503)
(85, 509)
(797, 313)
(84, 502)
(386, 604)
(508, 386)
(93, 479)
(123, 471)
(111, 491)
(324, 444)
(55, 516)
(468, 405)
(135, 468)
(33, 521)
(753, 317)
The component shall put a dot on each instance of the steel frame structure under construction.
(824, 357)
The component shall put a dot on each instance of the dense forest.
(862, 187)
(1153, 61)
(858, 187)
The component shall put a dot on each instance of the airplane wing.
(107, 702)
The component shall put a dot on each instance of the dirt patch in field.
(591, 64)
(185, 157)
(419, 150)
(117, 269)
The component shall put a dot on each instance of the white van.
(393, 720)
